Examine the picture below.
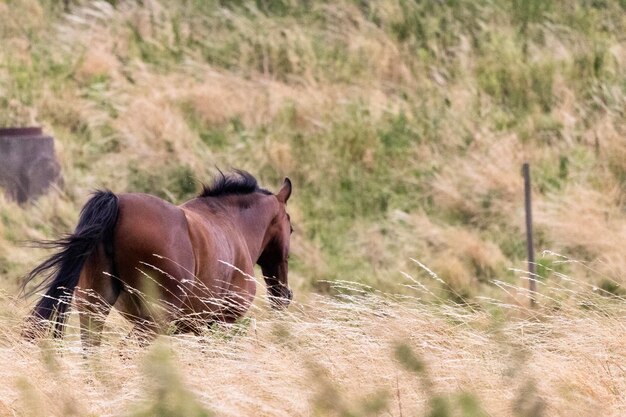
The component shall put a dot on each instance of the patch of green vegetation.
(456, 404)
(611, 288)
(547, 265)
(397, 135)
(167, 393)
(175, 183)
(162, 52)
(519, 86)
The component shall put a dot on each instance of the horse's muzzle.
(281, 300)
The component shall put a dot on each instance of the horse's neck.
(253, 223)
(251, 216)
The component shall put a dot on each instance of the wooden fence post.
(532, 283)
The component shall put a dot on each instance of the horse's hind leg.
(154, 296)
(96, 293)
(135, 307)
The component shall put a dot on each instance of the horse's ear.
(285, 191)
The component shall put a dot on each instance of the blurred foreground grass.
(363, 354)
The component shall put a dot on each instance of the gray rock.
(28, 163)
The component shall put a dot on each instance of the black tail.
(62, 270)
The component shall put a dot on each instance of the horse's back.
(149, 224)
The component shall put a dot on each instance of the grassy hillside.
(403, 126)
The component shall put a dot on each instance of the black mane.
(237, 182)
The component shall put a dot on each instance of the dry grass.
(338, 356)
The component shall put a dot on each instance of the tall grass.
(364, 353)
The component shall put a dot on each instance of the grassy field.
(365, 354)
(403, 126)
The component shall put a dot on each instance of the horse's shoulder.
(204, 217)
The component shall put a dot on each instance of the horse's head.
(274, 257)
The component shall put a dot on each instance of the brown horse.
(158, 264)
